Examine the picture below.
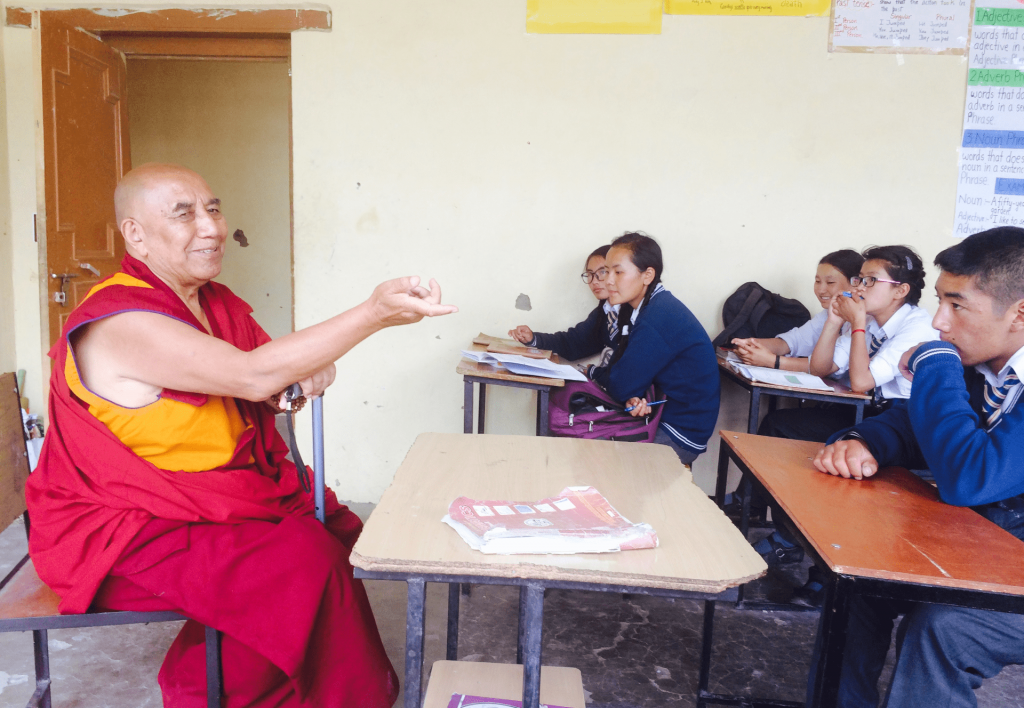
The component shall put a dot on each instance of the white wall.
(440, 139)
(7, 356)
(229, 122)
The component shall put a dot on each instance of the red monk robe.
(235, 547)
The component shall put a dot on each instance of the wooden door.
(85, 134)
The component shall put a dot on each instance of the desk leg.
(522, 625)
(534, 621)
(414, 622)
(542, 411)
(834, 618)
(755, 410)
(467, 407)
(723, 473)
(452, 653)
(860, 413)
(482, 403)
(705, 652)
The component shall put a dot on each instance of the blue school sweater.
(587, 338)
(939, 428)
(669, 348)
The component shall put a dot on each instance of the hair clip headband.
(910, 266)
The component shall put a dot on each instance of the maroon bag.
(582, 409)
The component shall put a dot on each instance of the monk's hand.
(311, 386)
(851, 459)
(404, 301)
(639, 406)
(905, 362)
(522, 334)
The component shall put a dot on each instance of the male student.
(163, 484)
(965, 423)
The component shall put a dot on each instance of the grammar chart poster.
(990, 184)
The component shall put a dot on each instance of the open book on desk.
(524, 366)
(779, 377)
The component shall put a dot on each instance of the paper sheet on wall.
(779, 8)
(593, 16)
(900, 26)
(990, 180)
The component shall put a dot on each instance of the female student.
(865, 334)
(596, 334)
(661, 342)
(792, 350)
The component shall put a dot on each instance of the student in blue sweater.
(661, 342)
(965, 423)
(595, 335)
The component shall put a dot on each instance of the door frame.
(214, 34)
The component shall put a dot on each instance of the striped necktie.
(992, 404)
(613, 324)
(876, 344)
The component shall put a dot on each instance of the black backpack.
(752, 311)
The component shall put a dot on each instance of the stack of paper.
(578, 520)
(524, 366)
(779, 377)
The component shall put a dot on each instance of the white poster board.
(990, 181)
(900, 26)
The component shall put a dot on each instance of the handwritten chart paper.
(990, 183)
(900, 26)
(593, 16)
(780, 8)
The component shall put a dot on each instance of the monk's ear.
(133, 236)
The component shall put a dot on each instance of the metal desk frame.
(543, 390)
(840, 589)
(756, 391)
(531, 621)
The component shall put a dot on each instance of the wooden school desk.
(842, 394)
(888, 536)
(701, 554)
(476, 373)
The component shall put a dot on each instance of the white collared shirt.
(609, 308)
(909, 326)
(801, 340)
(1015, 364)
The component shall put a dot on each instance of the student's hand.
(846, 458)
(522, 334)
(639, 406)
(851, 309)
(751, 351)
(905, 362)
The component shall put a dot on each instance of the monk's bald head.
(131, 198)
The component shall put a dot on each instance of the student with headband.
(595, 335)
(661, 342)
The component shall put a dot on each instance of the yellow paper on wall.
(782, 8)
(593, 16)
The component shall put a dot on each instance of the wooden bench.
(559, 686)
(26, 603)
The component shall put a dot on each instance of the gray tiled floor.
(638, 651)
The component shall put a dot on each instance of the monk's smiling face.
(172, 222)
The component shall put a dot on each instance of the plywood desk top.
(701, 550)
(468, 367)
(839, 390)
(890, 526)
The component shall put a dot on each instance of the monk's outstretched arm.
(130, 357)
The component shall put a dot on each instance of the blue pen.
(655, 403)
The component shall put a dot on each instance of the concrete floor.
(638, 651)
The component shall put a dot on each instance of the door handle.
(91, 268)
(61, 297)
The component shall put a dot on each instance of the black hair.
(902, 264)
(846, 261)
(995, 258)
(645, 253)
(599, 251)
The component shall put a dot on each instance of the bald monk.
(163, 484)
